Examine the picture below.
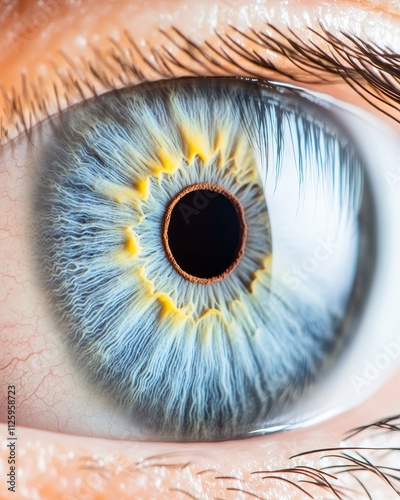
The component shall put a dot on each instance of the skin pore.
(49, 43)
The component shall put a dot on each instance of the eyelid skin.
(42, 32)
(89, 468)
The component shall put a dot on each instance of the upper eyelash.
(373, 72)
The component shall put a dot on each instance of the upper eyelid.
(368, 69)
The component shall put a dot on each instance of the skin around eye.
(34, 30)
(38, 451)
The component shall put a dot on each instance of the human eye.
(72, 377)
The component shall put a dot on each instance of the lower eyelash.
(199, 363)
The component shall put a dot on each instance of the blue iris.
(198, 360)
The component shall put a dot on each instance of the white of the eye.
(314, 237)
(373, 354)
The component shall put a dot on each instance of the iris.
(162, 259)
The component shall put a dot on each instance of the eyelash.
(371, 71)
(351, 461)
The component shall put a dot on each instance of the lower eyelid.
(56, 465)
(27, 351)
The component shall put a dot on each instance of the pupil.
(205, 232)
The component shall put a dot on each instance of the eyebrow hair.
(371, 71)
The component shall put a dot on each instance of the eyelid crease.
(372, 72)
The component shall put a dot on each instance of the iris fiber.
(195, 360)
